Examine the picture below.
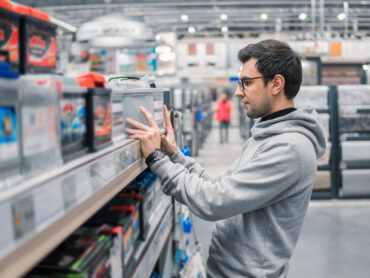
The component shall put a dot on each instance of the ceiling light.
(224, 29)
(264, 16)
(157, 37)
(184, 17)
(166, 57)
(191, 29)
(302, 16)
(223, 17)
(341, 16)
(163, 49)
(365, 67)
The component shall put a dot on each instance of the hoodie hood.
(303, 120)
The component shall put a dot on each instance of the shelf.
(320, 194)
(353, 165)
(40, 213)
(320, 110)
(323, 167)
(354, 110)
(147, 252)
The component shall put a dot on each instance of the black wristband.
(155, 155)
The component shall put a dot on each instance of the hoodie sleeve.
(193, 167)
(265, 180)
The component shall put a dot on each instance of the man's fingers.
(167, 119)
(134, 131)
(148, 116)
(137, 124)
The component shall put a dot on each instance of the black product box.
(99, 118)
(131, 206)
(37, 45)
(116, 219)
(73, 123)
(84, 254)
(9, 36)
(140, 195)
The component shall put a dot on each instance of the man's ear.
(278, 84)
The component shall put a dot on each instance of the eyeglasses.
(244, 81)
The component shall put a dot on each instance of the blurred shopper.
(260, 201)
(223, 112)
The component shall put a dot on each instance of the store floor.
(335, 240)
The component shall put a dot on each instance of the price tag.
(48, 203)
(95, 178)
(23, 216)
(83, 184)
(69, 192)
(7, 241)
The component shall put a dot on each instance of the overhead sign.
(114, 30)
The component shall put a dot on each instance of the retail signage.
(114, 26)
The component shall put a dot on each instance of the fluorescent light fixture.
(341, 16)
(302, 16)
(163, 49)
(223, 17)
(184, 18)
(64, 25)
(224, 29)
(158, 37)
(264, 16)
(192, 29)
(166, 57)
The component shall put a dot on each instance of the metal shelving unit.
(39, 213)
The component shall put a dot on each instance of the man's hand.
(149, 136)
(168, 141)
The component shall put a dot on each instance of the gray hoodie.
(259, 202)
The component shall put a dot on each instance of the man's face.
(255, 97)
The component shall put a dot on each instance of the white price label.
(48, 203)
(23, 216)
(83, 185)
(7, 241)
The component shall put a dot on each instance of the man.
(260, 201)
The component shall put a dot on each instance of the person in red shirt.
(223, 112)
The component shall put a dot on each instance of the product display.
(99, 118)
(9, 35)
(118, 218)
(314, 96)
(73, 119)
(10, 140)
(83, 254)
(37, 45)
(118, 127)
(353, 96)
(354, 123)
(40, 118)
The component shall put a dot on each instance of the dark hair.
(275, 57)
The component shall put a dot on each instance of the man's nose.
(238, 92)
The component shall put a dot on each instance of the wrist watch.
(154, 156)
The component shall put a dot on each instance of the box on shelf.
(98, 111)
(40, 124)
(353, 182)
(118, 127)
(131, 206)
(73, 119)
(37, 43)
(10, 140)
(84, 254)
(116, 219)
(9, 30)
